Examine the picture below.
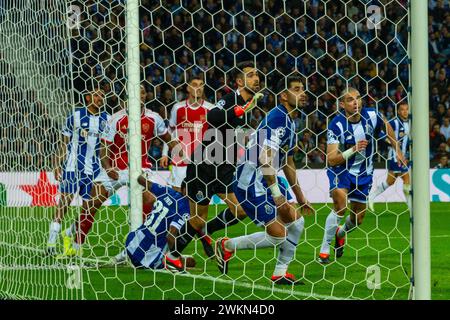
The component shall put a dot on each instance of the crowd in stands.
(183, 38)
(28, 135)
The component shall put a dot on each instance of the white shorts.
(113, 185)
(177, 176)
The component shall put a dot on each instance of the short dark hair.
(199, 76)
(239, 70)
(285, 82)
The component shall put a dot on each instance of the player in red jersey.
(188, 123)
(114, 173)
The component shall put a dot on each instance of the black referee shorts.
(205, 180)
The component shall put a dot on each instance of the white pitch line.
(248, 285)
(379, 238)
(42, 251)
(233, 283)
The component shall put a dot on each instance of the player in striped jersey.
(401, 128)
(351, 143)
(114, 172)
(77, 161)
(259, 192)
(146, 246)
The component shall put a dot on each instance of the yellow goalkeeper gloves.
(240, 110)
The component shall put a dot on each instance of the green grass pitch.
(382, 241)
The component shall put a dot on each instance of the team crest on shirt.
(401, 134)
(331, 136)
(279, 132)
(268, 208)
(220, 104)
(369, 129)
(145, 127)
(336, 180)
(102, 125)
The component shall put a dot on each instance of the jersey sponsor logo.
(168, 201)
(369, 129)
(275, 140)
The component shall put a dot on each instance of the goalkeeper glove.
(240, 110)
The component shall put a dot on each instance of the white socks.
(121, 256)
(253, 241)
(348, 227)
(379, 189)
(407, 193)
(331, 225)
(71, 230)
(287, 248)
(55, 228)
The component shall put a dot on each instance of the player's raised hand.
(401, 160)
(240, 110)
(113, 174)
(164, 161)
(57, 172)
(361, 145)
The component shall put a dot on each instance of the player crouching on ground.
(146, 246)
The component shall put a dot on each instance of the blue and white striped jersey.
(276, 131)
(146, 245)
(347, 134)
(401, 129)
(84, 130)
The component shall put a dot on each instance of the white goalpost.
(420, 156)
(134, 110)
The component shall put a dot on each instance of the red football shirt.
(189, 125)
(152, 125)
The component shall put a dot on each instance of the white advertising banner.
(23, 189)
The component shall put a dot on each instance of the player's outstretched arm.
(394, 143)
(164, 161)
(175, 147)
(291, 175)
(147, 184)
(106, 161)
(336, 157)
(218, 115)
(269, 171)
(60, 156)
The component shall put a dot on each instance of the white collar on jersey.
(194, 107)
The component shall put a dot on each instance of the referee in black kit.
(213, 165)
